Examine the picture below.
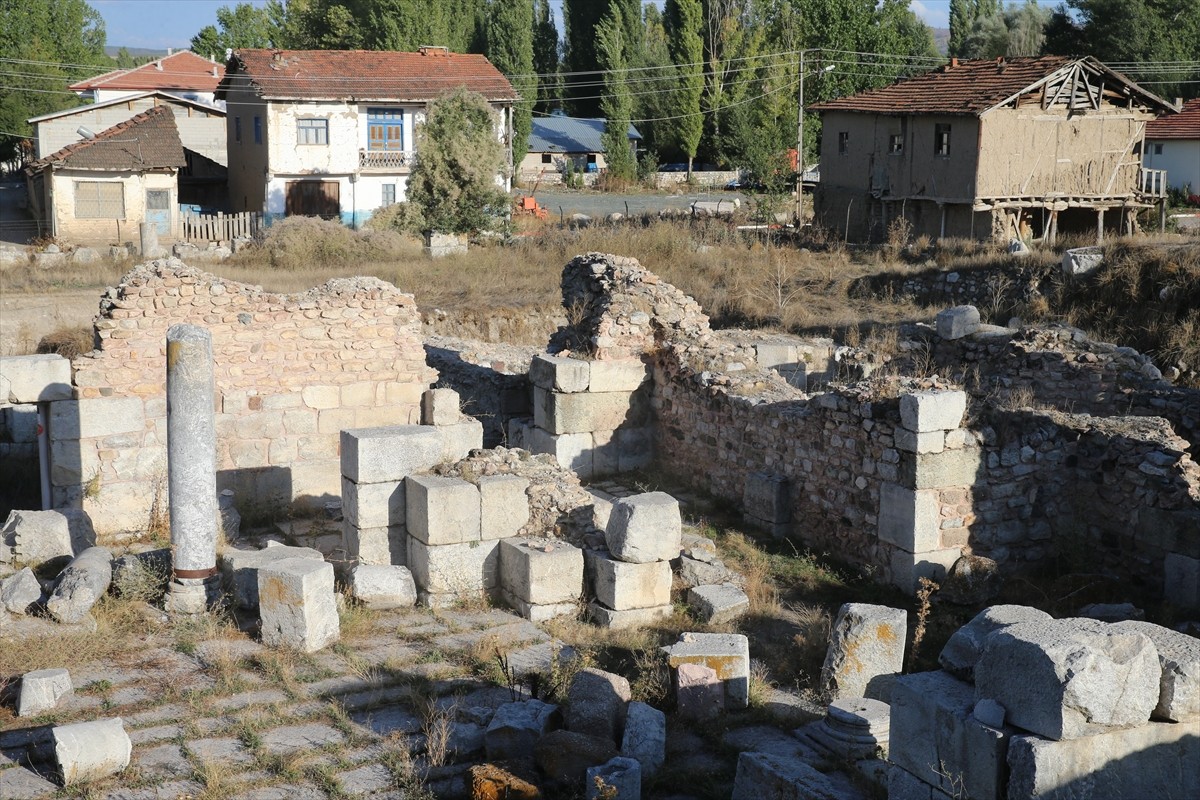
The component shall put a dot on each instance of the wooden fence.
(220, 227)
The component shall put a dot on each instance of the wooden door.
(313, 199)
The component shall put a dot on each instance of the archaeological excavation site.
(292, 546)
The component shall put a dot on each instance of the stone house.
(1173, 144)
(183, 74)
(100, 189)
(990, 149)
(555, 142)
(331, 133)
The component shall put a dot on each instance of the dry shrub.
(297, 242)
(68, 342)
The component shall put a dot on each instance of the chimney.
(215, 72)
(953, 62)
(434, 50)
(158, 65)
(170, 50)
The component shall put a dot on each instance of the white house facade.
(1173, 144)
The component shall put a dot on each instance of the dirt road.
(26, 318)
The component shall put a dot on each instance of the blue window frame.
(385, 129)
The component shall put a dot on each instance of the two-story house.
(331, 132)
(990, 149)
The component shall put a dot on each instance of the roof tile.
(1184, 125)
(148, 140)
(179, 71)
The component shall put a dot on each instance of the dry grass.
(67, 342)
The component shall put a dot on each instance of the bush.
(402, 217)
(298, 242)
(68, 342)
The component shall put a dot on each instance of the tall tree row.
(612, 50)
(510, 48)
(686, 49)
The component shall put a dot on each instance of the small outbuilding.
(556, 143)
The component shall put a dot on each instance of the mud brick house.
(331, 133)
(991, 149)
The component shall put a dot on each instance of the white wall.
(104, 231)
(199, 131)
(1180, 158)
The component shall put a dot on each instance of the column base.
(192, 595)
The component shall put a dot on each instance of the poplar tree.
(545, 59)
(617, 104)
(683, 20)
(510, 49)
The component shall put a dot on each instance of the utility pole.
(800, 148)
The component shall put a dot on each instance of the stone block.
(699, 693)
(383, 587)
(89, 751)
(541, 571)
(618, 375)
(373, 505)
(572, 451)
(645, 738)
(617, 779)
(767, 497)
(1179, 660)
(934, 736)
(763, 775)
(95, 417)
(85, 580)
(559, 374)
(606, 455)
(718, 604)
(932, 410)
(1159, 760)
(565, 756)
(557, 412)
(965, 645)
(19, 592)
(239, 569)
(35, 378)
(491, 781)
(380, 455)
(727, 653)
(1078, 261)
(461, 570)
(866, 645)
(296, 604)
(909, 518)
(1035, 670)
(538, 612)
(440, 407)
(21, 422)
(1181, 581)
(516, 727)
(644, 528)
(596, 704)
(957, 322)
(37, 536)
(503, 506)
(442, 510)
(903, 785)
(377, 546)
(622, 586)
(460, 438)
(631, 618)
(635, 448)
(907, 568)
(41, 690)
(911, 442)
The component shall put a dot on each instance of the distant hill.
(136, 52)
(941, 37)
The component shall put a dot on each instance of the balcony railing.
(385, 159)
(1154, 182)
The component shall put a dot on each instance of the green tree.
(966, 17)
(653, 101)
(510, 49)
(545, 59)
(242, 26)
(453, 181)
(617, 104)
(683, 21)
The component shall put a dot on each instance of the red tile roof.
(1184, 125)
(367, 74)
(179, 71)
(146, 141)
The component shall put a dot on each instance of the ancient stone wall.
(291, 372)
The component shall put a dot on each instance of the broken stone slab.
(965, 645)
(35, 378)
(516, 727)
(88, 751)
(41, 690)
(81, 584)
(698, 547)
(560, 374)
(38, 536)
(383, 586)
(866, 648)
(932, 410)
(623, 586)
(631, 618)
(297, 604)
(1036, 671)
(727, 653)
(19, 592)
(693, 572)
(504, 506)
(957, 322)
(540, 570)
(762, 775)
(617, 779)
(718, 604)
(1078, 261)
(538, 612)
(1179, 660)
(644, 528)
(240, 569)
(699, 693)
(645, 738)
(565, 756)
(597, 702)
(440, 407)
(442, 510)
(379, 455)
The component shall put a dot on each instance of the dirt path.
(26, 318)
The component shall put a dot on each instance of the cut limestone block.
(80, 585)
(854, 728)
(699, 693)
(635, 448)
(907, 569)
(762, 775)
(503, 505)
(516, 727)
(240, 569)
(88, 751)
(459, 439)
(572, 451)
(913, 442)
(442, 510)
(35, 378)
(718, 604)
(632, 618)
(461, 570)
(908, 518)
(373, 505)
(565, 756)
(440, 407)
(767, 497)
(380, 455)
(19, 592)
(297, 605)
(597, 702)
(644, 528)
(866, 647)
(965, 645)
(383, 587)
(932, 410)
(1179, 660)
(957, 322)
(1033, 670)
(645, 738)
(618, 779)
(935, 737)
(1158, 760)
(538, 612)
(727, 653)
(556, 412)
(559, 374)
(541, 570)
(38, 536)
(618, 375)
(622, 586)
(383, 545)
(41, 690)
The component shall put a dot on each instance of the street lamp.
(800, 136)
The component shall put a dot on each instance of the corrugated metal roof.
(146, 141)
(570, 135)
(178, 71)
(1184, 125)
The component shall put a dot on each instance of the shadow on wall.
(263, 495)
(489, 395)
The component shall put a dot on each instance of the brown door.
(313, 199)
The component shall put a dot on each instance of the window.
(941, 140)
(237, 129)
(385, 129)
(389, 194)
(257, 130)
(1156, 149)
(896, 144)
(843, 143)
(99, 200)
(312, 131)
(547, 158)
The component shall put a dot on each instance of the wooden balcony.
(385, 160)
(1154, 183)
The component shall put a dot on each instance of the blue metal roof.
(569, 135)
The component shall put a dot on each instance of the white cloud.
(935, 17)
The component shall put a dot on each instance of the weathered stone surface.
(440, 407)
(908, 518)
(1179, 660)
(727, 653)
(1082, 260)
(459, 439)
(373, 505)
(1037, 671)
(865, 645)
(631, 618)
(463, 570)
(383, 586)
(442, 510)
(557, 412)
(571, 450)
(596, 703)
(903, 785)
(297, 605)
(762, 775)
(35, 378)
(516, 727)
(718, 604)
(622, 586)
(379, 455)
(913, 442)
(697, 547)
(38, 536)
(19, 592)
(95, 417)
(644, 528)
(1158, 760)
(972, 580)
(240, 569)
(645, 737)
(932, 410)
(699, 693)
(376, 546)
(538, 612)
(693, 572)
(618, 375)
(965, 645)
(87, 751)
(767, 497)
(41, 690)
(1181, 581)
(541, 570)
(617, 779)
(504, 505)
(1111, 612)
(559, 374)
(564, 756)
(907, 569)
(81, 584)
(957, 322)
(936, 470)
